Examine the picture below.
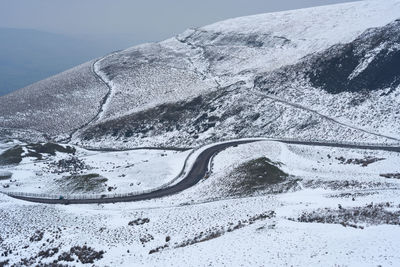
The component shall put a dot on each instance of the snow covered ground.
(93, 172)
(205, 225)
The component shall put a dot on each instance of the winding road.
(197, 172)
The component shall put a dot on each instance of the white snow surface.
(269, 242)
(126, 171)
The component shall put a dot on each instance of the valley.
(265, 140)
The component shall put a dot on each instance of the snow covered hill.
(54, 106)
(326, 73)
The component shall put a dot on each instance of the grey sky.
(128, 22)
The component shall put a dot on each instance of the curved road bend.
(196, 173)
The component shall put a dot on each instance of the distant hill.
(27, 56)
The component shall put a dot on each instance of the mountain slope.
(357, 82)
(57, 105)
(279, 74)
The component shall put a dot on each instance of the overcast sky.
(128, 22)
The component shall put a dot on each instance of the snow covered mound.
(327, 72)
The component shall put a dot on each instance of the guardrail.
(185, 166)
(362, 144)
(79, 196)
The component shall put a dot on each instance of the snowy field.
(91, 172)
(209, 225)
